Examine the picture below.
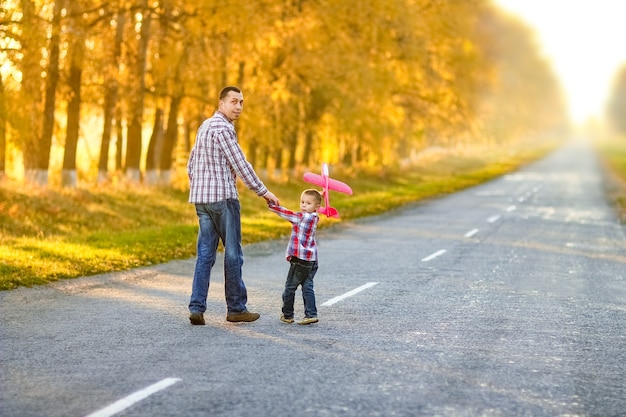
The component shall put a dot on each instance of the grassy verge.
(47, 235)
(613, 152)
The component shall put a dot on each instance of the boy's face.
(308, 204)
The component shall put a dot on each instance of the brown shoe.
(196, 319)
(285, 319)
(308, 320)
(243, 316)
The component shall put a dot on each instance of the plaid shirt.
(302, 241)
(216, 161)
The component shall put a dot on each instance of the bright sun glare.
(585, 40)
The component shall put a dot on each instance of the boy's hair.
(314, 193)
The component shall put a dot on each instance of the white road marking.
(434, 255)
(493, 219)
(349, 294)
(471, 233)
(126, 402)
(510, 208)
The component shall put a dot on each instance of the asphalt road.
(507, 299)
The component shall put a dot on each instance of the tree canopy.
(121, 86)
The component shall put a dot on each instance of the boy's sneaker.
(197, 319)
(243, 316)
(285, 319)
(308, 320)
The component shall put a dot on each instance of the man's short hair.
(227, 90)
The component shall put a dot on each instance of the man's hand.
(271, 198)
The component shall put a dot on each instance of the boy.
(301, 254)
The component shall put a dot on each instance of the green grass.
(53, 234)
(46, 235)
(613, 151)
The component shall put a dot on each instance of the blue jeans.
(221, 220)
(300, 273)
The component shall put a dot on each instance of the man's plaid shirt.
(302, 241)
(216, 161)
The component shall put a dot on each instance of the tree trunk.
(251, 155)
(154, 149)
(263, 170)
(32, 42)
(3, 125)
(77, 51)
(109, 108)
(169, 141)
(73, 118)
(291, 148)
(133, 136)
(119, 142)
(51, 85)
(188, 132)
(110, 101)
(313, 113)
(308, 148)
(278, 166)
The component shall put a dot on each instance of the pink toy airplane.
(328, 184)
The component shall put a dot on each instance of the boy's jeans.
(300, 273)
(221, 220)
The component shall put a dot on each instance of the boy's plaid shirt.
(302, 241)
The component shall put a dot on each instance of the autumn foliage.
(616, 108)
(92, 91)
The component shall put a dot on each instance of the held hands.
(271, 198)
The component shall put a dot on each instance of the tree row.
(362, 84)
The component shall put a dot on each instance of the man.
(215, 162)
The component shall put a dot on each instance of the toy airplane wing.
(324, 182)
(328, 184)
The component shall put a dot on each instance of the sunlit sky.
(586, 42)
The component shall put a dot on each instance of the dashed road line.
(471, 233)
(126, 402)
(493, 219)
(434, 255)
(349, 294)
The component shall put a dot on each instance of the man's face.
(232, 105)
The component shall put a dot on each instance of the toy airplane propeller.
(328, 184)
